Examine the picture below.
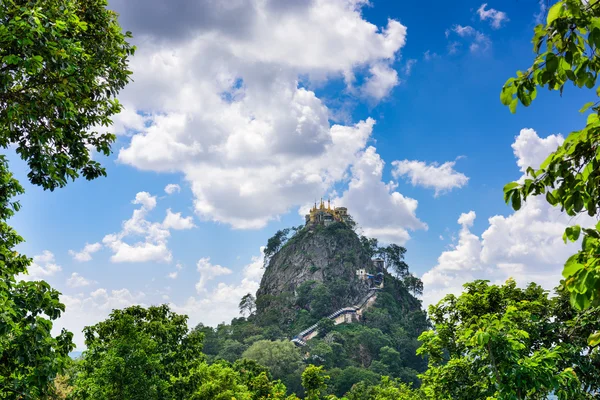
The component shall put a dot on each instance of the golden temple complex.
(326, 215)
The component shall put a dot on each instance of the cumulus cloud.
(531, 150)
(177, 222)
(526, 245)
(147, 201)
(379, 209)
(442, 178)
(221, 303)
(86, 253)
(76, 280)
(43, 266)
(172, 188)
(383, 78)
(250, 139)
(139, 239)
(477, 40)
(208, 272)
(496, 17)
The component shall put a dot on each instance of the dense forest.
(63, 64)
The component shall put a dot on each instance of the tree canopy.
(62, 65)
(502, 342)
(138, 353)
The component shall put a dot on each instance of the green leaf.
(555, 12)
(550, 198)
(513, 106)
(594, 339)
(516, 200)
(506, 96)
(571, 268)
(577, 202)
(551, 63)
(586, 106)
(510, 186)
(573, 232)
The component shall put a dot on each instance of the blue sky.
(257, 108)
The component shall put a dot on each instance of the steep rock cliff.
(330, 255)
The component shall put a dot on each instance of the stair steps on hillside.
(299, 340)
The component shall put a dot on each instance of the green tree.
(30, 357)
(388, 389)
(370, 246)
(139, 353)
(413, 284)
(63, 63)
(394, 259)
(348, 377)
(321, 303)
(314, 382)
(567, 51)
(505, 342)
(280, 356)
(324, 326)
(231, 350)
(247, 304)
(275, 243)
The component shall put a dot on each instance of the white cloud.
(409, 66)
(442, 178)
(172, 188)
(173, 275)
(496, 17)
(467, 220)
(176, 221)
(428, 55)
(526, 245)
(377, 207)
(540, 16)
(531, 150)
(478, 41)
(221, 303)
(76, 280)
(380, 83)
(86, 253)
(43, 266)
(463, 31)
(146, 200)
(252, 141)
(141, 240)
(85, 310)
(208, 272)
(453, 47)
(153, 247)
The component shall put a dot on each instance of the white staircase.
(301, 338)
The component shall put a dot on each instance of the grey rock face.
(322, 254)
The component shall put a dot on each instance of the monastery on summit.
(326, 215)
